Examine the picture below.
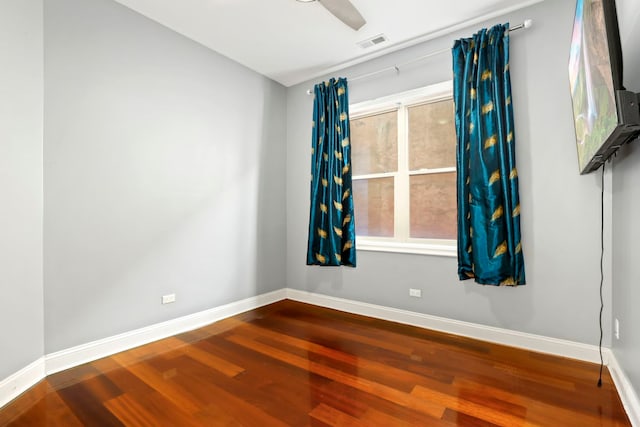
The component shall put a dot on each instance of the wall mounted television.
(606, 116)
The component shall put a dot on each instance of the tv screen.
(594, 75)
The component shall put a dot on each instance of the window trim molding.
(395, 102)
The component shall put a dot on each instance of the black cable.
(601, 270)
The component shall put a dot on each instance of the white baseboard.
(538, 343)
(68, 358)
(19, 382)
(628, 395)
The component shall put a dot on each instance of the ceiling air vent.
(375, 40)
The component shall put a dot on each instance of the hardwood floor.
(293, 364)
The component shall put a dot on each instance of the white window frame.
(402, 243)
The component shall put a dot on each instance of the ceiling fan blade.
(344, 11)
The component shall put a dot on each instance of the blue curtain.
(489, 246)
(332, 237)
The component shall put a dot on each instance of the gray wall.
(560, 208)
(21, 327)
(626, 205)
(163, 170)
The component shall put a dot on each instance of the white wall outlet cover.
(415, 293)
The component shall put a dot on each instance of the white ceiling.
(291, 42)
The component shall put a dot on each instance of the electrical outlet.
(616, 328)
(417, 293)
(168, 299)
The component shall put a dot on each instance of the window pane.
(374, 143)
(433, 209)
(373, 200)
(432, 135)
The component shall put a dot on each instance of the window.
(404, 172)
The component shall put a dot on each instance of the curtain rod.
(526, 24)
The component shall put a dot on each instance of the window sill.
(443, 249)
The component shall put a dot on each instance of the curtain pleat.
(489, 237)
(332, 238)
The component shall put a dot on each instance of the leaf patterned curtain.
(332, 236)
(489, 246)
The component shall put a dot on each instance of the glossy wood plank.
(425, 406)
(293, 364)
(147, 410)
(211, 360)
(333, 417)
(163, 385)
(87, 407)
(50, 410)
